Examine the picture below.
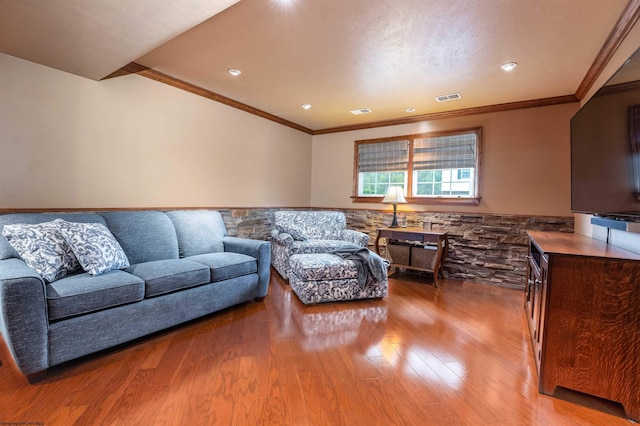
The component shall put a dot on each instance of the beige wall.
(525, 162)
(69, 142)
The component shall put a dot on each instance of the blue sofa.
(182, 265)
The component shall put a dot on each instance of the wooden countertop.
(578, 245)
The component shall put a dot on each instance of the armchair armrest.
(259, 249)
(23, 315)
(282, 238)
(356, 237)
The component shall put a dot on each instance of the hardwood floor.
(458, 355)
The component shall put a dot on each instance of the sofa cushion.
(6, 251)
(94, 246)
(319, 225)
(43, 248)
(198, 231)
(165, 276)
(319, 246)
(144, 235)
(84, 293)
(227, 265)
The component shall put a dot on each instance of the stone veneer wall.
(484, 248)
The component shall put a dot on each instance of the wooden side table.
(425, 238)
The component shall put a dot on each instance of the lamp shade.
(395, 195)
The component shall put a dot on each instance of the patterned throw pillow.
(295, 226)
(94, 245)
(43, 248)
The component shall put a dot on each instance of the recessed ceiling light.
(234, 71)
(509, 66)
(410, 110)
(360, 111)
(306, 106)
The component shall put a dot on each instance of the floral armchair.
(300, 232)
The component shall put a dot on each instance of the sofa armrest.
(259, 249)
(23, 315)
(359, 238)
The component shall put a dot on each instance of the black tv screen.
(605, 140)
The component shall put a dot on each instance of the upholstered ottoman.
(325, 277)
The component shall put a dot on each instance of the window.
(432, 168)
(377, 183)
(381, 164)
(464, 174)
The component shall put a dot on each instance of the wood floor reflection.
(457, 355)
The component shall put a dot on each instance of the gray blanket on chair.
(370, 265)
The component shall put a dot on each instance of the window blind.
(445, 152)
(383, 156)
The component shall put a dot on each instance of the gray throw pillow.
(94, 245)
(43, 248)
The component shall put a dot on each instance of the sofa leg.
(36, 377)
(260, 299)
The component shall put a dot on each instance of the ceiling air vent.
(360, 111)
(451, 97)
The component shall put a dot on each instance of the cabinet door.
(529, 291)
(532, 306)
(542, 288)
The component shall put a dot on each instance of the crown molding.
(625, 23)
(131, 68)
(197, 90)
(534, 103)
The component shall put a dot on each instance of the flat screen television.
(605, 148)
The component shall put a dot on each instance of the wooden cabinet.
(582, 301)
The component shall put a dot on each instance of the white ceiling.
(336, 55)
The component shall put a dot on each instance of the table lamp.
(395, 196)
